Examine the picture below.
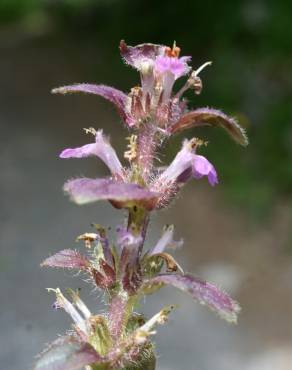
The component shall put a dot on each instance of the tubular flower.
(124, 269)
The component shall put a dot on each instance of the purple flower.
(176, 66)
(125, 237)
(202, 167)
(102, 149)
(185, 165)
(79, 317)
(166, 241)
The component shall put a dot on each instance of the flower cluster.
(123, 268)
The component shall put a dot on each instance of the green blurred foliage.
(250, 44)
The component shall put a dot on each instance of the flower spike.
(123, 269)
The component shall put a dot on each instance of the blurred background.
(238, 234)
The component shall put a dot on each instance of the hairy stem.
(147, 143)
(147, 365)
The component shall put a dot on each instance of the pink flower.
(188, 164)
(176, 66)
(102, 149)
(202, 167)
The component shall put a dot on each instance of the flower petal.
(125, 237)
(67, 353)
(80, 152)
(205, 293)
(166, 241)
(115, 96)
(181, 162)
(86, 190)
(67, 258)
(176, 66)
(102, 149)
(211, 117)
(62, 302)
(184, 166)
(79, 303)
(202, 167)
(135, 56)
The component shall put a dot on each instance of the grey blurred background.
(237, 235)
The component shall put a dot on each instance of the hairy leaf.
(211, 117)
(85, 190)
(115, 96)
(205, 293)
(67, 353)
(68, 258)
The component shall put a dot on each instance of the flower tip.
(64, 154)
(123, 45)
(213, 179)
(58, 90)
(245, 141)
(232, 317)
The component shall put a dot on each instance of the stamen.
(196, 143)
(88, 238)
(172, 52)
(131, 154)
(193, 82)
(201, 68)
(136, 91)
(90, 130)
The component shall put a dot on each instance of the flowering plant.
(121, 338)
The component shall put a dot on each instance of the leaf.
(85, 190)
(211, 117)
(204, 292)
(115, 96)
(67, 353)
(68, 258)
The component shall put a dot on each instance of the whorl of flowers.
(122, 268)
